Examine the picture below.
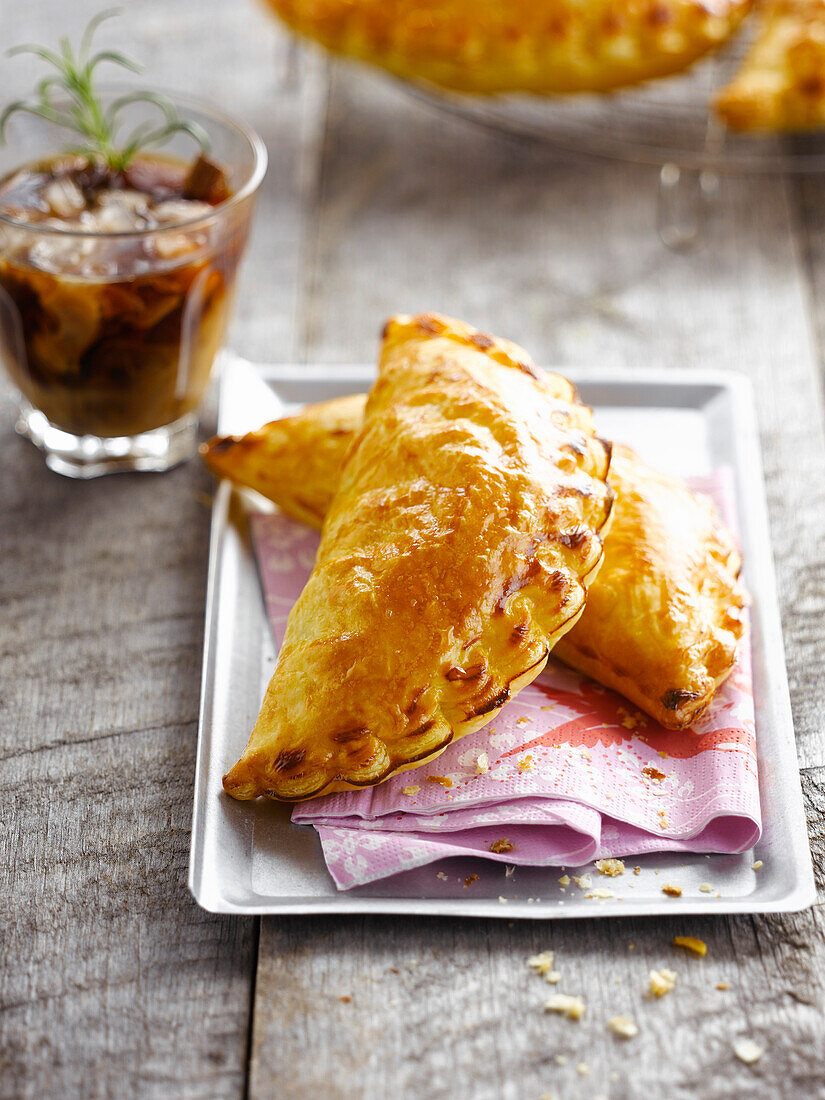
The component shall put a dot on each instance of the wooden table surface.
(113, 983)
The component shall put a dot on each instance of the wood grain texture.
(113, 982)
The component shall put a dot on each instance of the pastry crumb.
(345, 999)
(637, 870)
(747, 1051)
(583, 1069)
(502, 845)
(757, 865)
(469, 880)
(671, 890)
(610, 867)
(600, 892)
(542, 962)
(584, 882)
(565, 880)
(565, 1005)
(441, 875)
(697, 946)
(482, 763)
(410, 791)
(560, 1059)
(706, 888)
(653, 773)
(553, 977)
(526, 763)
(444, 780)
(623, 1026)
(723, 986)
(661, 981)
(502, 901)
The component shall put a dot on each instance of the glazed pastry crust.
(781, 84)
(663, 615)
(457, 550)
(543, 46)
(295, 462)
(662, 624)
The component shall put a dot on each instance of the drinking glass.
(109, 338)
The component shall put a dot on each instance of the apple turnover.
(663, 616)
(781, 83)
(543, 46)
(457, 550)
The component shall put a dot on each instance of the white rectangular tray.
(248, 858)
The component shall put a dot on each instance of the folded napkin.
(566, 773)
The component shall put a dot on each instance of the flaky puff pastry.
(662, 625)
(781, 84)
(663, 615)
(457, 550)
(543, 46)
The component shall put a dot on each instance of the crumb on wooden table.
(747, 1051)
(697, 946)
(573, 1008)
(542, 962)
(623, 1027)
(661, 981)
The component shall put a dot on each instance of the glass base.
(87, 456)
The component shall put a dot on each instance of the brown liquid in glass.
(114, 332)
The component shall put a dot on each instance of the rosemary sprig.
(68, 98)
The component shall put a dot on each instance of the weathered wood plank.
(113, 982)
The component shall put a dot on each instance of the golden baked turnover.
(781, 84)
(295, 462)
(663, 616)
(543, 46)
(457, 550)
(662, 624)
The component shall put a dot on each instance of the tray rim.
(754, 502)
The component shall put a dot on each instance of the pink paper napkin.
(566, 773)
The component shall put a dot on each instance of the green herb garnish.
(68, 99)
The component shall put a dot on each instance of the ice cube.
(14, 243)
(175, 211)
(169, 245)
(64, 197)
(135, 201)
(61, 255)
(116, 218)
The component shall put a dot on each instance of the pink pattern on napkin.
(573, 769)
